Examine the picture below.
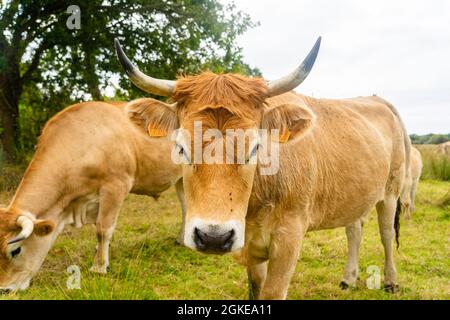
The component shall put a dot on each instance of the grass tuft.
(435, 165)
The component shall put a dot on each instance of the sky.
(399, 50)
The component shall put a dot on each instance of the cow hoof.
(391, 288)
(343, 285)
(99, 269)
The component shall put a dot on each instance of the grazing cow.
(411, 182)
(89, 157)
(328, 151)
(444, 148)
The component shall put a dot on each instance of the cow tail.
(397, 222)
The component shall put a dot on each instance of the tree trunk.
(9, 121)
(90, 76)
(95, 91)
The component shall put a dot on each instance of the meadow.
(435, 165)
(147, 263)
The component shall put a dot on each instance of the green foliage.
(10, 176)
(35, 109)
(430, 138)
(52, 66)
(164, 38)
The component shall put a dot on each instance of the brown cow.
(329, 150)
(89, 157)
(411, 182)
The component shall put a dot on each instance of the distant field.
(436, 165)
(147, 264)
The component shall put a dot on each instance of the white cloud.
(399, 50)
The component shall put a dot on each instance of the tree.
(164, 37)
(430, 138)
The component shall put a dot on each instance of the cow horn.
(27, 229)
(293, 79)
(142, 81)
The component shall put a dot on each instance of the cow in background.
(89, 157)
(411, 182)
(444, 148)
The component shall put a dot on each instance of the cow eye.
(252, 153)
(182, 152)
(16, 252)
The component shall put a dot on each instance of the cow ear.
(43, 227)
(156, 118)
(292, 121)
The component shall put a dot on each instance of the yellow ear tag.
(284, 136)
(156, 132)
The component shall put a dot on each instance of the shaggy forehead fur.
(240, 95)
(218, 118)
(220, 101)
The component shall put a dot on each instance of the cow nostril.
(201, 235)
(5, 291)
(199, 238)
(229, 235)
(228, 243)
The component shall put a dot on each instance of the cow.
(411, 182)
(337, 160)
(444, 148)
(88, 158)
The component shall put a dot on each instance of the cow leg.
(180, 194)
(413, 195)
(257, 273)
(407, 210)
(406, 203)
(284, 251)
(386, 215)
(111, 199)
(405, 197)
(353, 232)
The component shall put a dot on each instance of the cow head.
(23, 246)
(221, 109)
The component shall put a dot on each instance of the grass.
(146, 263)
(435, 165)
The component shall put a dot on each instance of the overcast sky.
(399, 50)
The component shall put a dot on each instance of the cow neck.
(144, 152)
(39, 191)
(151, 152)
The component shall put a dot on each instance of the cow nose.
(4, 291)
(213, 241)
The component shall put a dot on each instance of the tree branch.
(35, 61)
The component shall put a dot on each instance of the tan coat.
(411, 182)
(89, 157)
(444, 148)
(338, 159)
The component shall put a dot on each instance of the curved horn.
(27, 229)
(293, 79)
(142, 81)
